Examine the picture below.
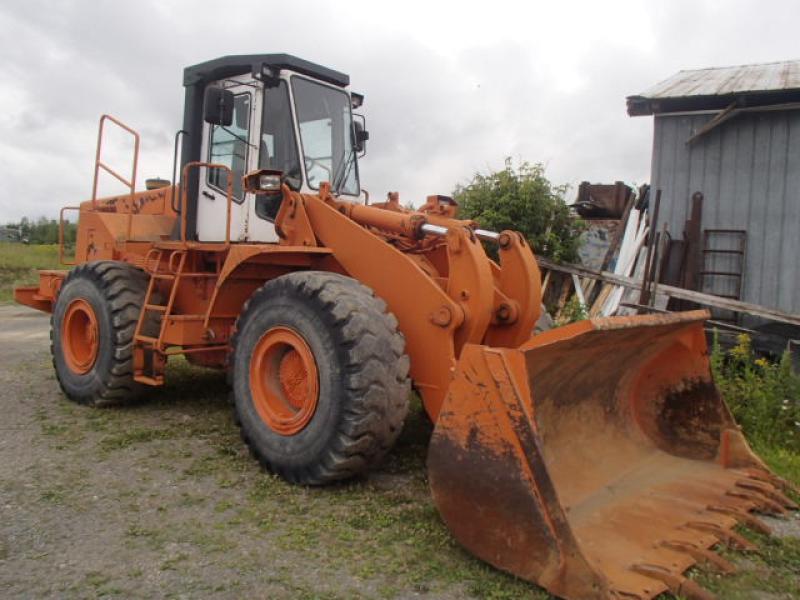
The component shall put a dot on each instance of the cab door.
(277, 150)
(234, 147)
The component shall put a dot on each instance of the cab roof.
(239, 64)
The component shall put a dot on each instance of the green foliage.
(41, 231)
(572, 313)
(523, 199)
(763, 396)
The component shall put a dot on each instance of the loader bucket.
(598, 459)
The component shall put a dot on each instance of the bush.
(572, 312)
(523, 199)
(763, 396)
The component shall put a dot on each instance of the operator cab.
(271, 111)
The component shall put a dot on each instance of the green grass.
(384, 530)
(773, 569)
(19, 264)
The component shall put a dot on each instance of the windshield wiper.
(341, 176)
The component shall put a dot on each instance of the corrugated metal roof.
(719, 81)
(717, 88)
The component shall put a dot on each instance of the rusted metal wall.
(748, 169)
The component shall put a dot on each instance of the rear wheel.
(320, 377)
(91, 331)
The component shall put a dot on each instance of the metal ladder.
(152, 348)
(712, 278)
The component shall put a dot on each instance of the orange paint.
(80, 336)
(284, 381)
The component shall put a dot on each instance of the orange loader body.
(597, 459)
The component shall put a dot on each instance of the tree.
(43, 231)
(523, 199)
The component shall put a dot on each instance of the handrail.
(184, 196)
(61, 236)
(178, 134)
(99, 164)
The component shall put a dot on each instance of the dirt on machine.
(597, 460)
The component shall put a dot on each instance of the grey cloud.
(438, 109)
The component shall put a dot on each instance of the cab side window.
(229, 146)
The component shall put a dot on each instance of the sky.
(451, 88)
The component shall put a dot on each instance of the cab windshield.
(326, 126)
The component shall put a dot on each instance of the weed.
(54, 496)
(572, 312)
(763, 396)
(124, 439)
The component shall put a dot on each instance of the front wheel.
(91, 332)
(320, 377)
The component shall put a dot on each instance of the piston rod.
(431, 229)
(481, 234)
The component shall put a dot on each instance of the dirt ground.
(160, 499)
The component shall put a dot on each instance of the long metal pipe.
(486, 235)
(429, 228)
(481, 234)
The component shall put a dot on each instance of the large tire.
(91, 332)
(338, 328)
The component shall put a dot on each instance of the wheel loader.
(597, 459)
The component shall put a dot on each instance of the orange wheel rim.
(284, 381)
(79, 335)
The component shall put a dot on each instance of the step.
(155, 307)
(147, 339)
(147, 380)
(187, 317)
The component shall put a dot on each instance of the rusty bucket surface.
(598, 460)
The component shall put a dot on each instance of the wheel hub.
(80, 336)
(284, 381)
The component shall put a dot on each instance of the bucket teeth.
(777, 482)
(767, 490)
(760, 503)
(701, 555)
(678, 584)
(744, 517)
(726, 536)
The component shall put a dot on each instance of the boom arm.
(433, 273)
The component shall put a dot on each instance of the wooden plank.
(644, 295)
(616, 239)
(692, 237)
(579, 291)
(722, 116)
(545, 283)
(676, 292)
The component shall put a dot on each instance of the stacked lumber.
(632, 251)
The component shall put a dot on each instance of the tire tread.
(375, 367)
(122, 287)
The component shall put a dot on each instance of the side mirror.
(360, 136)
(218, 106)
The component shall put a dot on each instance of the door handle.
(209, 195)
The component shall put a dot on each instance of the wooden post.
(644, 295)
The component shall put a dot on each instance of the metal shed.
(733, 134)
